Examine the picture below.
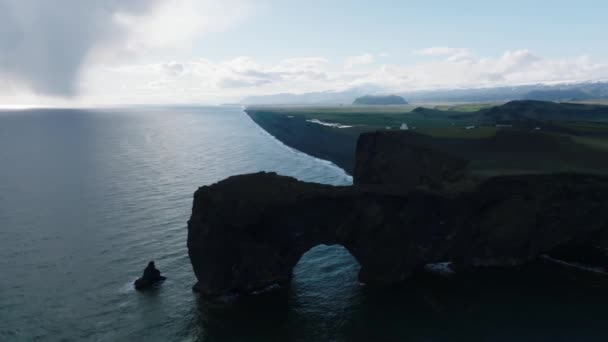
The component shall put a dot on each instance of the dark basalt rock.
(248, 232)
(150, 277)
(390, 158)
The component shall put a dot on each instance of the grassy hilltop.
(513, 138)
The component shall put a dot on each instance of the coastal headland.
(414, 202)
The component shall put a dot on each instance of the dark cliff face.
(248, 232)
(335, 145)
(542, 112)
(390, 158)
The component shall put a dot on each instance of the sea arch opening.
(327, 276)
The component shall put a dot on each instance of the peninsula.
(476, 186)
(410, 206)
(519, 137)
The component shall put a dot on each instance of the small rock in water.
(150, 277)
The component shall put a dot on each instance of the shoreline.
(319, 141)
(492, 149)
(296, 150)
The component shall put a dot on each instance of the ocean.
(88, 197)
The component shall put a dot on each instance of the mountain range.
(542, 92)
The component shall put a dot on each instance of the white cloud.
(204, 80)
(44, 45)
(463, 69)
(207, 81)
(125, 51)
(244, 71)
(364, 59)
(177, 23)
(173, 69)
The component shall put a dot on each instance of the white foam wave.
(599, 270)
(328, 124)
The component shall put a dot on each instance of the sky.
(110, 52)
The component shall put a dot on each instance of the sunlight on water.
(91, 196)
(88, 197)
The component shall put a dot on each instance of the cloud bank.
(461, 68)
(204, 80)
(45, 44)
(132, 51)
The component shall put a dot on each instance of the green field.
(377, 116)
(514, 138)
(372, 117)
(599, 143)
(466, 107)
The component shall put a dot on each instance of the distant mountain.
(497, 94)
(560, 92)
(380, 100)
(557, 95)
(527, 113)
(324, 97)
(540, 92)
(522, 111)
(582, 91)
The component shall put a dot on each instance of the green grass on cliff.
(466, 107)
(514, 138)
(374, 116)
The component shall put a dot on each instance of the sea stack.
(150, 277)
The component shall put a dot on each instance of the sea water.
(88, 197)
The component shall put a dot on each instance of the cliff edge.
(248, 232)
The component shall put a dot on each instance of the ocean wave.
(576, 265)
(328, 124)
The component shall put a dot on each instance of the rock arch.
(248, 232)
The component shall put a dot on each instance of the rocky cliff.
(393, 158)
(248, 232)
